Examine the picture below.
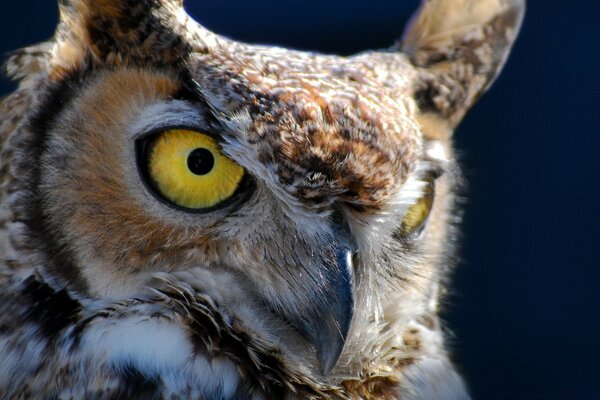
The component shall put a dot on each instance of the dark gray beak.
(330, 338)
(326, 320)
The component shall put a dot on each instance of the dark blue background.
(524, 308)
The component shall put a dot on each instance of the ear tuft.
(459, 47)
(119, 32)
(28, 61)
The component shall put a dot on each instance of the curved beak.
(325, 320)
(330, 338)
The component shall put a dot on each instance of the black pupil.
(201, 161)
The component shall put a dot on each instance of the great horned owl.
(187, 217)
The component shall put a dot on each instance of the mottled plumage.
(319, 277)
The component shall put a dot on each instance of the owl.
(183, 216)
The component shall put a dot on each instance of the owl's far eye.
(188, 169)
(416, 216)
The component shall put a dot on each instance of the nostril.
(355, 259)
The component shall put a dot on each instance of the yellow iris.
(417, 214)
(189, 170)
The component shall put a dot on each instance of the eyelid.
(436, 172)
(171, 114)
(149, 135)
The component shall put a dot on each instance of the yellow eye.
(188, 169)
(416, 216)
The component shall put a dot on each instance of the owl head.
(309, 195)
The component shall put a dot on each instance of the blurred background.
(523, 313)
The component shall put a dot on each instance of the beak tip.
(326, 367)
(328, 357)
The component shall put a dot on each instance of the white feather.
(158, 348)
